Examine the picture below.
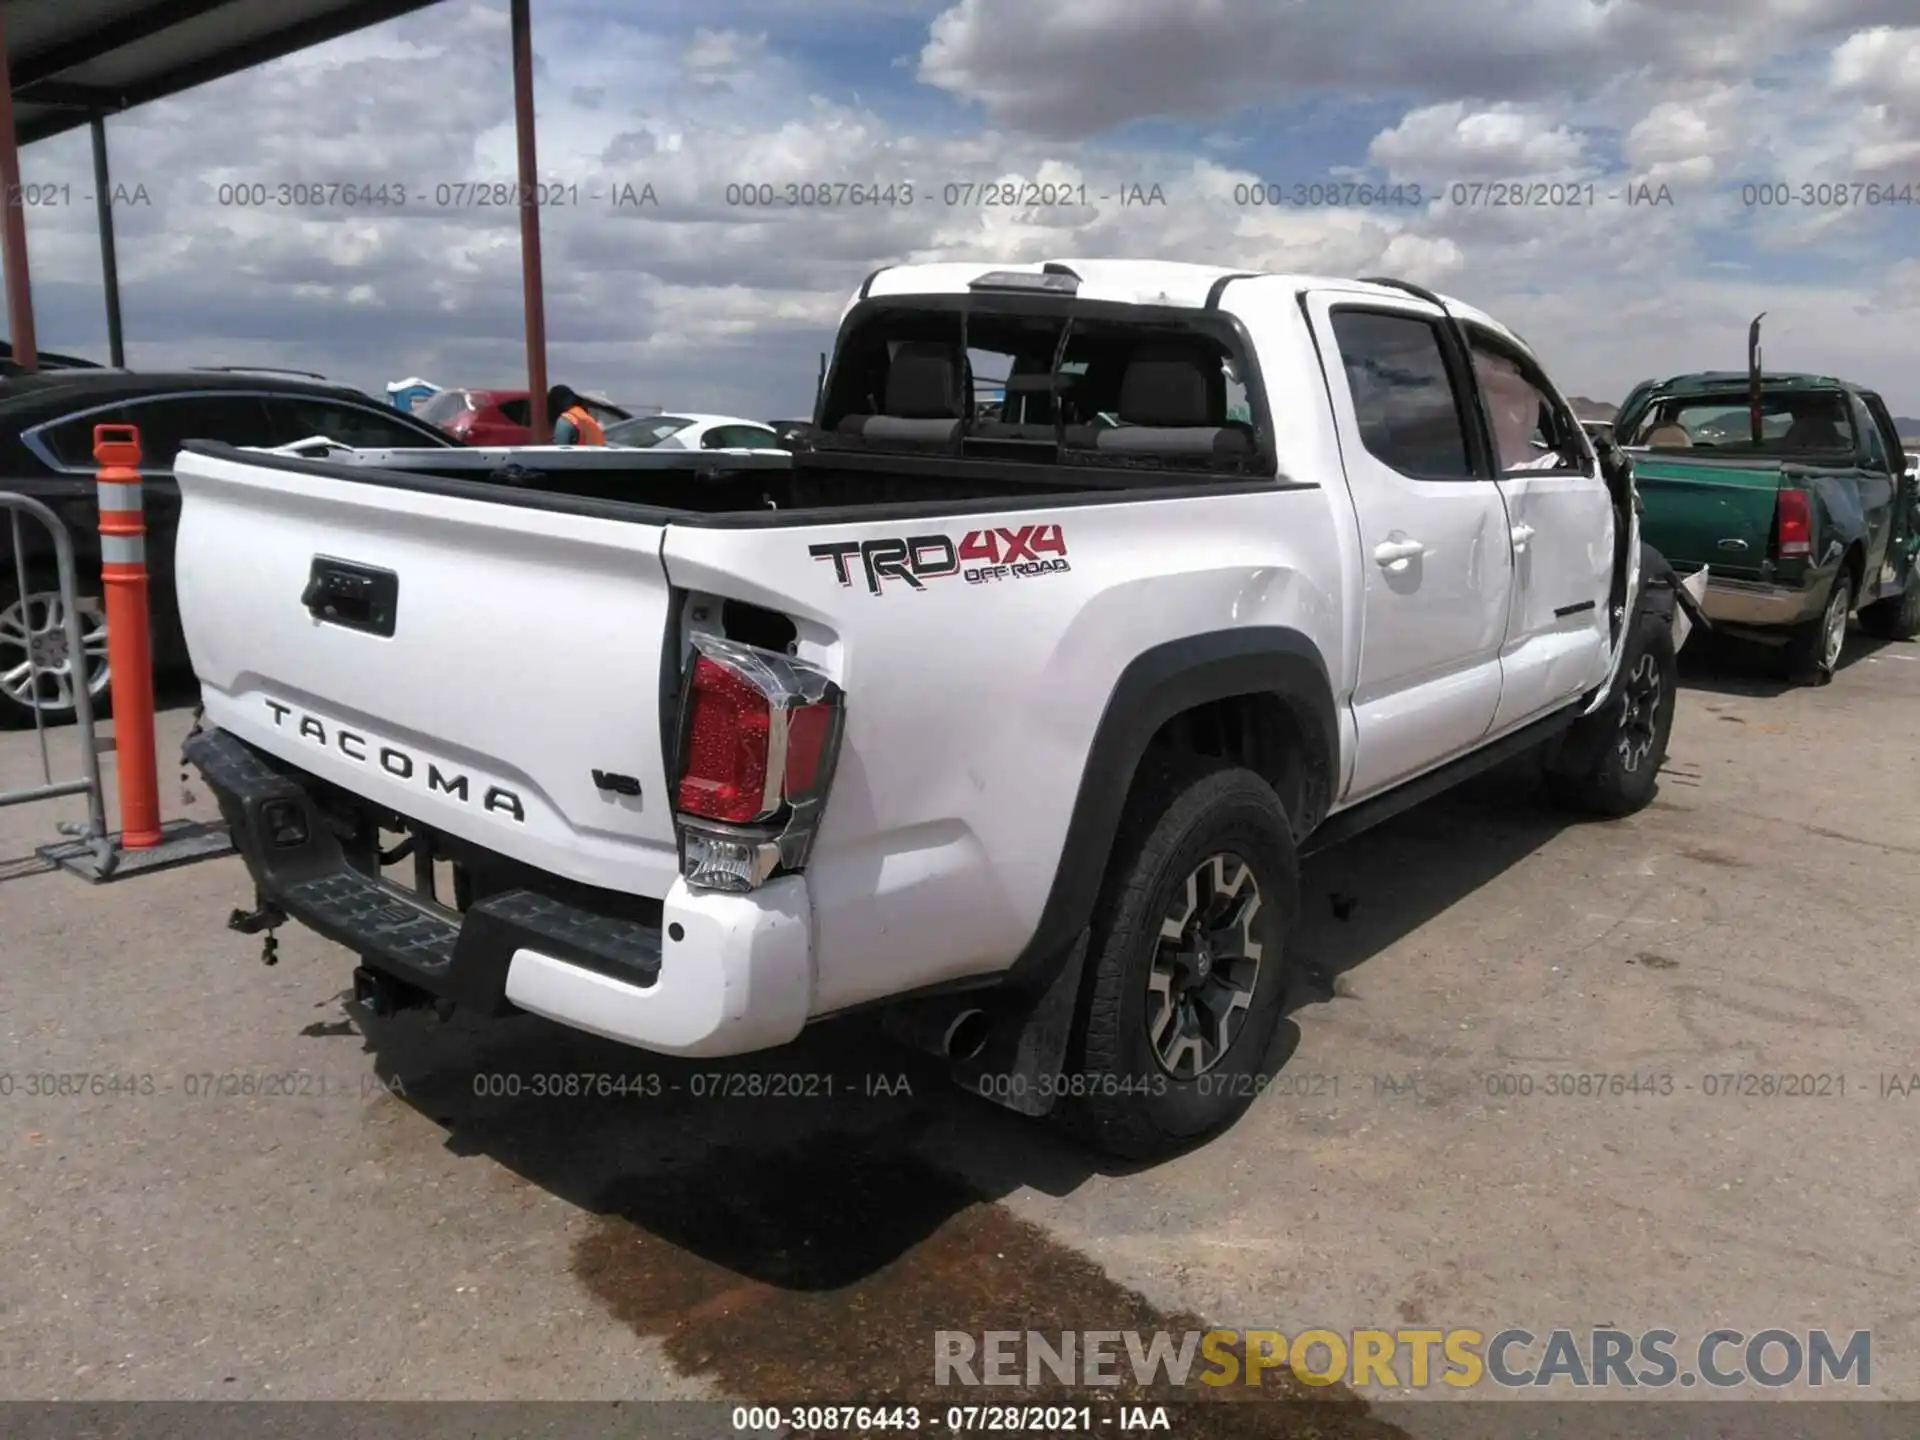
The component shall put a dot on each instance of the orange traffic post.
(123, 571)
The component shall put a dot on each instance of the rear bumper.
(716, 975)
(1750, 602)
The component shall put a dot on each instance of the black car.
(46, 452)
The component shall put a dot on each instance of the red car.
(496, 417)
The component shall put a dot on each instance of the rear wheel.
(1895, 619)
(37, 669)
(1813, 652)
(1188, 965)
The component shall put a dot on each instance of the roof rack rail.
(260, 370)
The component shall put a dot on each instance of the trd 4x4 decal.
(979, 556)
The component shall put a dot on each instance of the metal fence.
(37, 643)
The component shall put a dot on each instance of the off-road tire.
(1609, 762)
(1811, 655)
(1895, 619)
(1128, 1103)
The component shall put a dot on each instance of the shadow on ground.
(795, 1227)
(1722, 664)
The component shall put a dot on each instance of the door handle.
(1389, 553)
(1521, 534)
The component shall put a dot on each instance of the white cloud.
(1080, 66)
(1501, 143)
(1882, 64)
(713, 52)
(1690, 141)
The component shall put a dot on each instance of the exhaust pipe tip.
(966, 1036)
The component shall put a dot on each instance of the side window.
(442, 408)
(71, 441)
(520, 412)
(1863, 423)
(1531, 432)
(1239, 410)
(1403, 395)
(298, 417)
(165, 424)
(738, 437)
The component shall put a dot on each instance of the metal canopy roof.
(72, 59)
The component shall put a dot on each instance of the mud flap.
(1026, 1040)
(1029, 1047)
(1690, 609)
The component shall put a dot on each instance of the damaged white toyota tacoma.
(1008, 716)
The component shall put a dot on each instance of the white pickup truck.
(1010, 720)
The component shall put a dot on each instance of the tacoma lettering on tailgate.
(979, 556)
(396, 762)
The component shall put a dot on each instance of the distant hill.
(1905, 424)
(1585, 409)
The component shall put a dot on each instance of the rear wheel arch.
(1257, 696)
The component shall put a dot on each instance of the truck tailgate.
(1707, 514)
(524, 654)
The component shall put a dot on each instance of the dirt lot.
(350, 1242)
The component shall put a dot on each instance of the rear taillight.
(729, 725)
(760, 732)
(1794, 524)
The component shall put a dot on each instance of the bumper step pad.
(377, 917)
(461, 957)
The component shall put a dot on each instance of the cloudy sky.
(688, 301)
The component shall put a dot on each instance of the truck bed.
(744, 487)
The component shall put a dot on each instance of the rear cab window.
(1049, 380)
(1793, 423)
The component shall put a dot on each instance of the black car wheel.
(38, 670)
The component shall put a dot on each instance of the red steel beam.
(13, 226)
(533, 291)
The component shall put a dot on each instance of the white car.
(1016, 726)
(686, 431)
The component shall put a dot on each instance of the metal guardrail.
(94, 833)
